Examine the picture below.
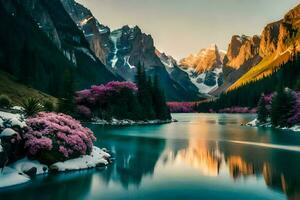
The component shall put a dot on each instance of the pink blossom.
(182, 107)
(237, 110)
(57, 132)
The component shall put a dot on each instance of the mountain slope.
(26, 52)
(279, 42)
(123, 49)
(56, 22)
(17, 92)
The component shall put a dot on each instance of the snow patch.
(198, 79)
(15, 173)
(8, 132)
(14, 119)
(255, 123)
(115, 38)
(128, 122)
(25, 164)
(97, 157)
(10, 177)
(126, 59)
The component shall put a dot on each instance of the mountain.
(205, 68)
(95, 33)
(40, 43)
(242, 55)
(123, 49)
(279, 41)
(177, 74)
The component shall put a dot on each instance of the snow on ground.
(9, 177)
(252, 123)
(7, 132)
(16, 173)
(255, 123)
(125, 122)
(15, 119)
(97, 158)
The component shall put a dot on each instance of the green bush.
(31, 106)
(48, 106)
(5, 101)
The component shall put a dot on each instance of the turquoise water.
(203, 156)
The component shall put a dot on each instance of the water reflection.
(193, 159)
(240, 161)
(134, 158)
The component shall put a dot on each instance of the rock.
(204, 60)
(241, 49)
(100, 164)
(31, 172)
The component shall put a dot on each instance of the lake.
(202, 156)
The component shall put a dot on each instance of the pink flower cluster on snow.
(182, 107)
(238, 110)
(58, 134)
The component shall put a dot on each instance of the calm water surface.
(203, 156)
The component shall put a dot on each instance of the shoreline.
(127, 122)
(24, 170)
(254, 123)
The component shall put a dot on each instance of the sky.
(182, 27)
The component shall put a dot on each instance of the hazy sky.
(181, 27)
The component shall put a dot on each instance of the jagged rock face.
(176, 73)
(277, 37)
(240, 50)
(205, 60)
(131, 47)
(205, 69)
(96, 34)
(123, 49)
(269, 39)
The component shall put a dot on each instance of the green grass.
(18, 92)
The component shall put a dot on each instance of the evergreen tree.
(262, 111)
(159, 101)
(282, 104)
(66, 102)
(144, 94)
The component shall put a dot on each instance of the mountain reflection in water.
(200, 157)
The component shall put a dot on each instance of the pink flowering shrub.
(104, 100)
(237, 110)
(182, 107)
(53, 137)
(84, 111)
(295, 112)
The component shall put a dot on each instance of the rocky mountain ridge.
(122, 50)
(279, 42)
(205, 69)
